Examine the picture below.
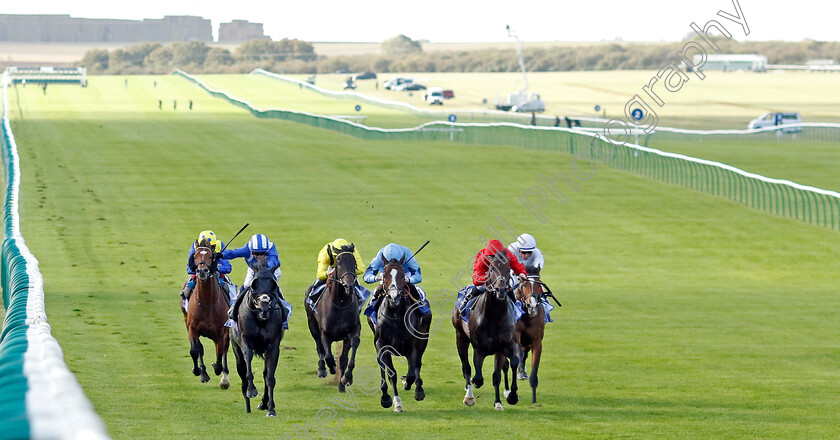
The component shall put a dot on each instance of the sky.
(474, 21)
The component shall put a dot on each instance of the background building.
(63, 28)
(240, 30)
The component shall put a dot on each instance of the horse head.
(393, 280)
(345, 268)
(203, 259)
(498, 272)
(263, 288)
(530, 293)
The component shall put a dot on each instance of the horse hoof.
(386, 401)
(196, 372)
(271, 414)
(217, 369)
(419, 394)
(478, 381)
(332, 369)
(322, 372)
(469, 401)
(347, 379)
(522, 376)
(252, 392)
(408, 381)
(262, 406)
(341, 387)
(398, 409)
(224, 385)
(204, 378)
(507, 393)
(498, 407)
(512, 399)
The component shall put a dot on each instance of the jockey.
(258, 246)
(326, 264)
(222, 265)
(410, 267)
(479, 274)
(526, 251)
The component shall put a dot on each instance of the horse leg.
(241, 370)
(511, 355)
(505, 374)
(499, 364)
(348, 372)
(523, 355)
(271, 359)
(386, 400)
(194, 344)
(249, 374)
(221, 360)
(463, 349)
(392, 377)
(416, 361)
(197, 351)
(329, 359)
(225, 382)
(535, 366)
(342, 363)
(315, 331)
(478, 362)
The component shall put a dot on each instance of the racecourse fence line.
(776, 196)
(826, 132)
(41, 397)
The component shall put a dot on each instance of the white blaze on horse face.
(393, 289)
(203, 252)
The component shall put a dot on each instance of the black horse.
(401, 330)
(491, 331)
(260, 318)
(336, 318)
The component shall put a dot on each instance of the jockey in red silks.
(479, 273)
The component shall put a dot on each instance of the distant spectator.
(556, 121)
(160, 104)
(126, 82)
(568, 121)
(155, 84)
(174, 105)
(190, 104)
(533, 118)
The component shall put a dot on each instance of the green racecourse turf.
(684, 315)
(794, 157)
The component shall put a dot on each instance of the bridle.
(349, 284)
(532, 309)
(201, 274)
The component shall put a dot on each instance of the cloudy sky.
(477, 21)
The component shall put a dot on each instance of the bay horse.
(530, 329)
(206, 314)
(335, 317)
(260, 319)
(491, 331)
(399, 331)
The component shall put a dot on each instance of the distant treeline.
(296, 56)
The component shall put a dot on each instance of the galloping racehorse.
(260, 318)
(490, 330)
(206, 314)
(336, 318)
(529, 330)
(400, 330)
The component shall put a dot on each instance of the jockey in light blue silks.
(258, 246)
(412, 276)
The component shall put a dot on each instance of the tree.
(96, 60)
(189, 53)
(219, 57)
(401, 45)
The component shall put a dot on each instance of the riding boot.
(185, 294)
(233, 310)
(312, 288)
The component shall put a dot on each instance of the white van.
(772, 119)
(392, 83)
(434, 96)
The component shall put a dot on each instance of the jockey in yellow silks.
(326, 264)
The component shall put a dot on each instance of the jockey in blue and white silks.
(258, 246)
(395, 252)
(411, 268)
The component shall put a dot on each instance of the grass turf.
(684, 315)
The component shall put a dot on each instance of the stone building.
(63, 28)
(240, 30)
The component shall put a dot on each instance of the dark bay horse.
(260, 318)
(207, 314)
(400, 330)
(336, 318)
(491, 331)
(530, 330)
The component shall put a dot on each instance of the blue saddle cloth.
(517, 307)
(370, 310)
(362, 292)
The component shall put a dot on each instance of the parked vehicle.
(364, 75)
(410, 86)
(395, 82)
(772, 119)
(448, 94)
(435, 96)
